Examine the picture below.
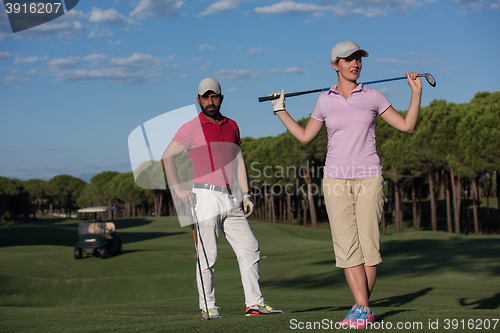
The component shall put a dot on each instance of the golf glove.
(278, 103)
(248, 204)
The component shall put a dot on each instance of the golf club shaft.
(385, 80)
(198, 260)
(269, 98)
(199, 236)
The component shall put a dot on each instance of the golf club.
(197, 255)
(427, 76)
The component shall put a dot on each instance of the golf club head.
(429, 79)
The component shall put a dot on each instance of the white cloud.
(98, 32)
(158, 8)
(118, 42)
(114, 75)
(21, 61)
(138, 68)
(108, 16)
(236, 75)
(343, 8)
(221, 6)
(206, 46)
(495, 5)
(136, 60)
(473, 4)
(4, 55)
(205, 66)
(234, 90)
(289, 8)
(14, 79)
(386, 60)
(95, 57)
(255, 50)
(63, 63)
(96, 60)
(291, 70)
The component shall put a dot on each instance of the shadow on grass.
(421, 257)
(383, 316)
(395, 301)
(400, 300)
(485, 303)
(54, 232)
(111, 255)
(310, 281)
(132, 237)
(325, 308)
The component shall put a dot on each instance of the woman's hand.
(414, 82)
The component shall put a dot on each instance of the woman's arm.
(304, 135)
(396, 120)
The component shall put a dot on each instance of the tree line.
(454, 154)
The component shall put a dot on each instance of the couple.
(349, 111)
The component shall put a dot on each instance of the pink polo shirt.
(352, 151)
(212, 148)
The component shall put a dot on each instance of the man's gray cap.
(209, 84)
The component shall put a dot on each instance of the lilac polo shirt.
(352, 151)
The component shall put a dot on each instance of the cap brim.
(348, 53)
(215, 92)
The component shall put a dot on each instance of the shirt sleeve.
(318, 112)
(237, 133)
(382, 102)
(184, 136)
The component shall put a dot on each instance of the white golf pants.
(218, 211)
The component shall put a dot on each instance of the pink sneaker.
(362, 318)
(350, 318)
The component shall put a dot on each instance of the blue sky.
(73, 89)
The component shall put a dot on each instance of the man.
(213, 144)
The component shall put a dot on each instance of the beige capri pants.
(355, 209)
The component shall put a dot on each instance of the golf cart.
(98, 237)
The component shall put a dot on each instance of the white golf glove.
(248, 204)
(278, 103)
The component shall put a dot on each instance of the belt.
(223, 189)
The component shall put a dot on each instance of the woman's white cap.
(344, 49)
(208, 84)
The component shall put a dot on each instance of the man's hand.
(278, 103)
(186, 196)
(248, 204)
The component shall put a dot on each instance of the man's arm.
(248, 204)
(173, 151)
(242, 173)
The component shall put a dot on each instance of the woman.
(352, 182)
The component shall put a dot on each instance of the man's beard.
(210, 110)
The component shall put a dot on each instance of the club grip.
(269, 98)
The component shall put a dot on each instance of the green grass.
(425, 277)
